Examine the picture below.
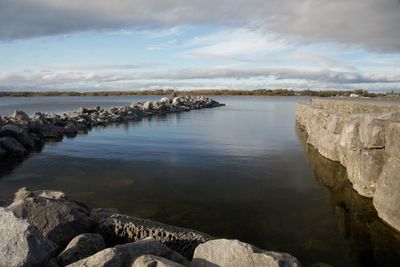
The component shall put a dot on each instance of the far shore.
(258, 92)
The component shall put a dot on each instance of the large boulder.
(125, 255)
(12, 146)
(80, 247)
(372, 132)
(21, 244)
(147, 105)
(387, 198)
(154, 261)
(363, 169)
(19, 134)
(119, 229)
(228, 253)
(56, 217)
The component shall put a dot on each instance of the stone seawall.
(364, 136)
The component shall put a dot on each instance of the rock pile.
(20, 133)
(47, 228)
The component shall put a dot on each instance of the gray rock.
(164, 100)
(59, 220)
(119, 229)
(125, 255)
(176, 101)
(82, 246)
(392, 139)
(227, 253)
(147, 105)
(20, 117)
(154, 261)
(18, 134)
(12, 146)
(21, 243)
(387, 198)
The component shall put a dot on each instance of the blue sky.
(172, 44)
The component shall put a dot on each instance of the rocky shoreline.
(47, 228)
(19, 133)
(364, 136)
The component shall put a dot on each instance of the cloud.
(370, 23)
(245, 78)
(91, 66)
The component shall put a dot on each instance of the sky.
(97, 45)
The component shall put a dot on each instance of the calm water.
(240, 171)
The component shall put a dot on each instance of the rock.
(59, 220)
(70, 129)
(176, 101)
(126, 254)
(363, 169)
(18, 134)
(147, 105)
(119, 229)
(52, 263)
(22, 244)
(154, 261)
(3, 152)
(20, 117)
(80, 247)
(227, 253)
(392, 139)
(387, 198)
(12, 146)
(164, 100)
(96, 215)
(372, 132)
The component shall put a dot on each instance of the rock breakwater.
(364, 136)
(20, 133)
(60, 231)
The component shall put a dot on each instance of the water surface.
(240, 171)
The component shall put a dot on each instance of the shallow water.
(240, 171)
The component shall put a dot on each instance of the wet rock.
(70, 130)
(21, 244)
(59, 220)
(176, 101)
(12, 146)
(154, 261)
(227, 253)
(125, 255)
(19, 134)
(117, 229)
(82, 246)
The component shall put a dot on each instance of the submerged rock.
(227, 253)
(21, 244)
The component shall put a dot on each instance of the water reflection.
(372, 242)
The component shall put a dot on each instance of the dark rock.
(12, 146)
(58, 219)
(82, 246)
(70, 130)
(21, 244)
(19, 134)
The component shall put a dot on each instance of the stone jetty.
(20, 133)
(364, 136)
(47, 228)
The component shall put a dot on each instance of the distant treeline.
(258, 92)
